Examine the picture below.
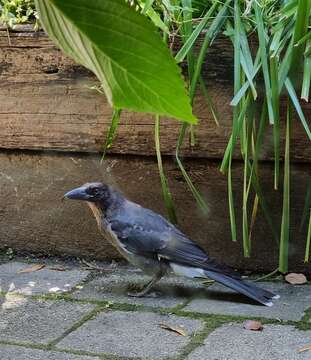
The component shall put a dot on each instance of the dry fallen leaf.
(35, 267)
(253, 325)
(175, 329)
(58, 268)
(305, 348)
(296, 279)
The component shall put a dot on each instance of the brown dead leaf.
(178, 330)
(58, 268)
(35, 267)
(296, 279)
(305, 348)
(253, 325)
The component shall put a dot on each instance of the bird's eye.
(94, 191)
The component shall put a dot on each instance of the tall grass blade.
(209, 101)
(148, 10)
(148, 5)
(112, 131)
(246, 244)
(300, 29)
(307, 206)
(198, 197)
(253, 217)
(164, 183)
(246, 57)
(292, 94)
(276, 127)
(239, 95)
(263, 123)
(285, 65)
(308, 52)
(304, 39)
(285, 225)
(264, 56)
(234, 137)
(306, 80)
(188, 45)
(308, 242)
(235, 123)
(187, 31)
(231, 205)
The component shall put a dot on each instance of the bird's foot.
(147, 287)
(136, 290)
(137, 294)
(141, 291)
(153, 294)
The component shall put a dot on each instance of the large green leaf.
(123, 49)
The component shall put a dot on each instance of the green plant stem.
(198, 197)
(112, 131)
(285, 226)
(231, 204)
(276, 127)
(187, 31)
(307, 252)
(263, 54)
(306, 82)
(165, 188)
(307, 206)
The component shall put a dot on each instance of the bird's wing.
(170, 244)
(180, 249)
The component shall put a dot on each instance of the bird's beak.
(77, 194)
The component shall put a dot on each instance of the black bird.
(150, 242)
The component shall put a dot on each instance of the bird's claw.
(136, 294)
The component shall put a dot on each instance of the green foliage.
(13, 12)
(123, 49)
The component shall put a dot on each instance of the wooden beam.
(47, 104)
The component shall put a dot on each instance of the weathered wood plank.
(34, 218)
(46, 103)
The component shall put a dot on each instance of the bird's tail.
(249, 289)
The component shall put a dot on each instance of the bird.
(150, 242)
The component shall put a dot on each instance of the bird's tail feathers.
(251, 290)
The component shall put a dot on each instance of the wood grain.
(47, 103)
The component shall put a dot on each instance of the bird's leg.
(149, 285)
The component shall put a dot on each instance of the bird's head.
(95, 192)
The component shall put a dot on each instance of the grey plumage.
(150, 242)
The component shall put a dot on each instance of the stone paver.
(169, 292)
(44, 281)
(25, 320)
(131, 334)
(28, 321)
(221, 300)
(10, 352)
(275, 342)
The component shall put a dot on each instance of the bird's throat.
(97, 213)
